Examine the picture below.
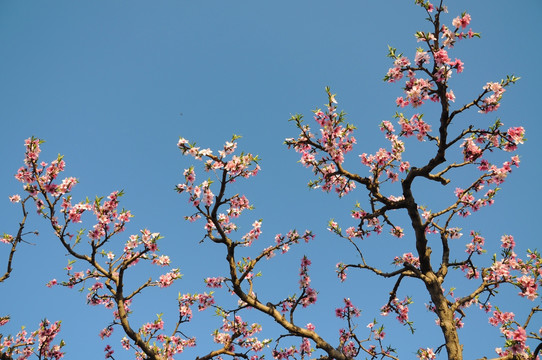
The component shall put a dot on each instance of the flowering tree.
(473, 149)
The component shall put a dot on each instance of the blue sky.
(112, 86)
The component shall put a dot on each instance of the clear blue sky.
(113, 84)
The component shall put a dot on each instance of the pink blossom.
(6, 239)
(401, 102)
(441, 57)
(426, 354)
(215, 282)
(421, 58)
(454, 233)
(15, 198)
(205, 300)
(106, 332)
(461, 22)
(397, 231)
(458, 65)
(401, 62)
(162, 260)
(182, 142)
(208, 197)
(404, 166)
(306, 347)
(471, 151)
(501, 318)
(379, 334)
(450, 96)
(167, 279)
(108, 352)
(491, 103)
(386, 126)
(516, 134)
(348, 311)
(394, 74)
(529, 287)
(307, 159)
(393, 176)
(125, 342)
(520, 335)
(507, 242)
(417, 91)
(476, 244)
(124, 216)
(407, 258)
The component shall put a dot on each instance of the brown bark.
(446, 318)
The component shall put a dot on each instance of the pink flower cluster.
(398, 307)
(236, 166)
(348, 311)
(236, 332)
(336, 139)
(471, 151)
(426, 354)
(109, 352)
(341, 271)
(237, 205)
(305, 347)
(40, 177)
(384, 161)
(283, 242)
(15, 198)
(107, 214)
(503, 271)
(172, 345)
(492, 102)
(94, 296)
(476, 244)
(308, 295)
(414, 125)
(253, 234)
(6, 238)
(417, 89)
(515, 336)
(149, 328)
(349, 348)
(167, 279)
(377, 332)
(387, 164)
(202, 197)
(326, 154)
(106, 332)
(284, 353)
(40, 182)
(462, 22)
(397, 231)
(187, 300)
(198, 194)
(516, 136)
(500, 318)
(39, 342)
(493, 177)
(167, 347)
(215, 282)
(407, 258)
(162, 260)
